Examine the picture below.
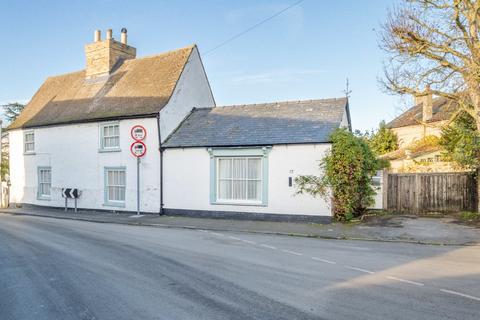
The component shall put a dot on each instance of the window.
(29, 142)
(110, 137)
(239, 176)
(44, 182)
(115, 185)
(239, 179)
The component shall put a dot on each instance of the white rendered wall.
(409, 134)
(192, 91)
(73, 154)
(187, 180)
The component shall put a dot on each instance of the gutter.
(160, 149)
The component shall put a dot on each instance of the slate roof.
(289, 122)
(443, 109)
(138, 87)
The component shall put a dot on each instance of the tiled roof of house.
(442, 110)
(287, 122)
(137, 87)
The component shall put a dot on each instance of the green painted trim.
(25, 132)
(238, 152)
(105, 197)
(41, 197)
(100, 134)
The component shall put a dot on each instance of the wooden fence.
(430, 192)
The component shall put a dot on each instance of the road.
(65, 269)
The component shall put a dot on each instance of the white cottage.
(201, 160)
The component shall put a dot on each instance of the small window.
(110, 137)
(44, 182)
(29, 142)
(239, 179)
(115, 185)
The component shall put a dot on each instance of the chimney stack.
(426, 99)
(103, 56)
(97, 36)
(123, 36)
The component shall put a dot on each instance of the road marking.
(293, 252)
(269, 247)
(460, 294)
(234, 238)
(404, 280)
(359, 269)
(323, 260)
(217, 234)
(206, 231)
(249, 242)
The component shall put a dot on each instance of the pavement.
(414, 229)
(69, 269)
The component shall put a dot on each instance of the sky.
(307, 52)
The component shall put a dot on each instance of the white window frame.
(25, 134)
(110, 202)
(40, 195)
(246, 179)
(102, 127)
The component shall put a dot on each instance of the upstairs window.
(29, 142)
(110, 137)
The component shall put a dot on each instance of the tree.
(383, 140)
(461, 141)
(347, 172)
(12, 110)
(433, 46)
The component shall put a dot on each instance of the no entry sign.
(138, 133)
(138, 149)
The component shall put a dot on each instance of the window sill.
(109, 150)
(29, 153)
(113, 204)
(246, 204)
(44, 198)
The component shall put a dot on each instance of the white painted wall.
(192, 91)
(187, 180)
(409, 134)
(72, 152)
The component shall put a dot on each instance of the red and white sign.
(138, 133)
(138, 149)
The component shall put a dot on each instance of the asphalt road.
(64, 269)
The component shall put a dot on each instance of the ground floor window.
(44, 182)
(115, 186)
(239, 176)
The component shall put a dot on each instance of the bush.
(347, 172)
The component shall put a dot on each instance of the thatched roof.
(138, 87)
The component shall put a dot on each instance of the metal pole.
(75, 204)
(138, 185)
(66, 204)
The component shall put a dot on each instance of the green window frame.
(115, 186)
(29, 142)
(109, 136)
(236, 177)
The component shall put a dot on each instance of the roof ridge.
(283, 102)
(162, 53)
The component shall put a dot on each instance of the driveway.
(67, 269)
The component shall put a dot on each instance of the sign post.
(138, 149)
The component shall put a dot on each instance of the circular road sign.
(138, 149)
(138, 133)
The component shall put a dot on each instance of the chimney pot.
(123, 36)
(97, 36)
(109, 34)
(426, 100)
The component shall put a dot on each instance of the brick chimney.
(102, 56)
(426, 99)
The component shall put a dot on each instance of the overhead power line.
(238, 35)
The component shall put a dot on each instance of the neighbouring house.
(418, 130)
(201, 160)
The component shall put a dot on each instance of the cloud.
(286, 75)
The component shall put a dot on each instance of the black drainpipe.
(160, 149)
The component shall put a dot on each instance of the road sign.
(138, 133)
(138, 149)
(70, 193)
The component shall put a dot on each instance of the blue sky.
(305, 53)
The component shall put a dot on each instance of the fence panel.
(431, 192)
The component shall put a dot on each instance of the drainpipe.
(160, 149)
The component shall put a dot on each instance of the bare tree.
(434, 46)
